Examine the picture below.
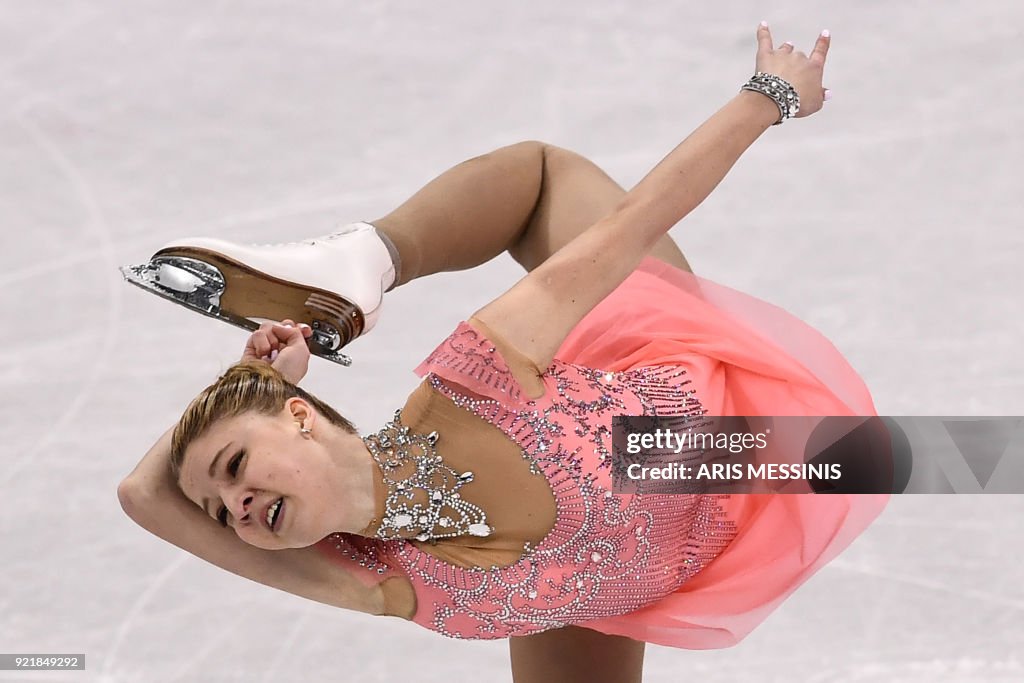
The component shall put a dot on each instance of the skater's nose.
(239, 504)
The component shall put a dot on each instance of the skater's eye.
(222, 513)
(233, 465)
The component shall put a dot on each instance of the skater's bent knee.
(532, 149)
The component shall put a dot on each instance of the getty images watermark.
(756, 454)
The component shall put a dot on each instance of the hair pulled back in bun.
(249, 386)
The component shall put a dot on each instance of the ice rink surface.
(891, 221)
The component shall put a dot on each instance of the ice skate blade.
(202, 287)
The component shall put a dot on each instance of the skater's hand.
(803, 72)
(283, 345)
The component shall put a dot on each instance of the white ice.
(891, 221)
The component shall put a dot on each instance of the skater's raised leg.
(530, 198)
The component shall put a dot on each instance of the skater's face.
(241, 466)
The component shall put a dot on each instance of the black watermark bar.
(41, 662)
(821, 454)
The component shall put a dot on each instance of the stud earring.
(305, 432)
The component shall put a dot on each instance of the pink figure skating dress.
(691, 571)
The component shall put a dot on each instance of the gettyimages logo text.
(818, 454)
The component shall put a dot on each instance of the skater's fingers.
(299, 335)
(261, 343)
(306, 330)
(287, 333)
(764, 38)
(266, 327)
(292, 361)
(271, 339)
(820, 50)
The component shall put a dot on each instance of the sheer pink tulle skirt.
(745, 357)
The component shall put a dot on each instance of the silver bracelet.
(779, 90)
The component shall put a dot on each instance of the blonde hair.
(249, 386)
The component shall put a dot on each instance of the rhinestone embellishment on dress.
(607, 554)
(423, 499)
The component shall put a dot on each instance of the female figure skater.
(485, 509)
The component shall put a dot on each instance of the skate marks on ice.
(96, 224)
(130, 127)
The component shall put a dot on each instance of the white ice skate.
(334, 284)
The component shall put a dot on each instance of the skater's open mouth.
(272, 516)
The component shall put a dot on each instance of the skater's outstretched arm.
(537, 314)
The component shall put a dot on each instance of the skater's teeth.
(272, 513)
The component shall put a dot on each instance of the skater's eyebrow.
(213, 467)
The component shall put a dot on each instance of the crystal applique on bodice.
(422, 491)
